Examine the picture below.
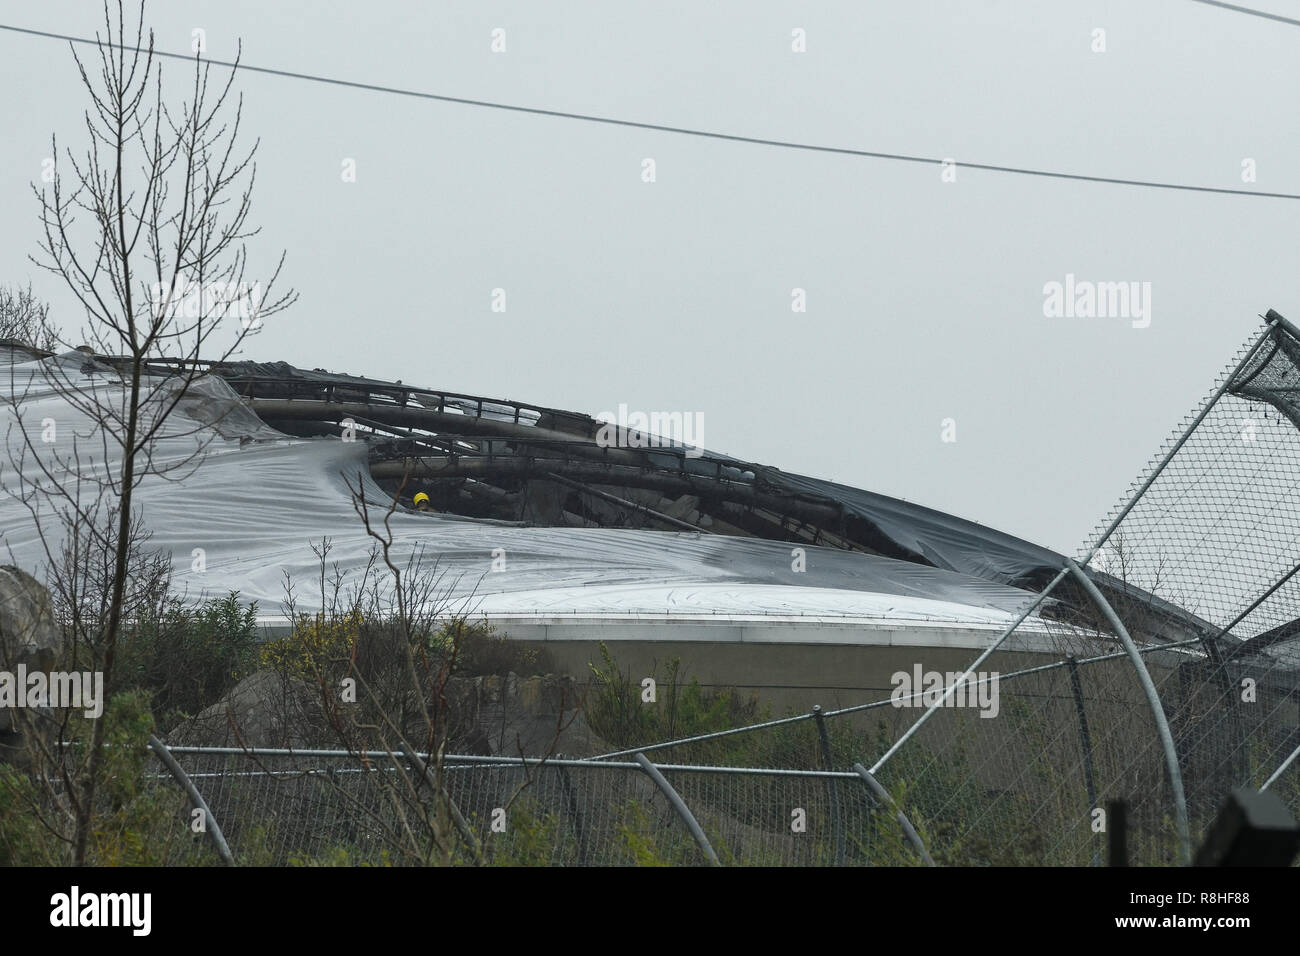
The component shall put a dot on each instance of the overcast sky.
(925, 298)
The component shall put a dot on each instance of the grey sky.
(925, 299)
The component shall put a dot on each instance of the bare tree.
(25, 318)
(147, 227)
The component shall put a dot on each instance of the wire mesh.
(323, 808)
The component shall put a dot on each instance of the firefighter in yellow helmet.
(421, 501)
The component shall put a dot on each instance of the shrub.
(317, 646)
(187, 657)
(615, 710)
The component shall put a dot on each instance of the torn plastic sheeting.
(259, 500)
(923, 534)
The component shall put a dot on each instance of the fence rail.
(278, 806)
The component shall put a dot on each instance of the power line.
(680, 130)
(1249, 11)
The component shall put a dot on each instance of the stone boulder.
(485, 715)
(265, 709)
(30, 637)
(533, 715)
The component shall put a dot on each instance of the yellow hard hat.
(421, 497)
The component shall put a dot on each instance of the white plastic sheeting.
(258, 501)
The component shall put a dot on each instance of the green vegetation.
(186, 658)
(183, 659)
(141, 820)
(616, 711)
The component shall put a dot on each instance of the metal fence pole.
(211, 826)
(680, 806)
(909, 831)
(832, 793)
(457, 818)
(1157, 709)
(1085, 741)
(970, 671)
(1280, 770)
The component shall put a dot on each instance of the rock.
(28, 632)
(485, 715)
(265, 709)
(536, 715)
(30, 636)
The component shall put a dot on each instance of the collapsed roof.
(455, 442)
(532, 513)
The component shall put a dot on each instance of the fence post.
(196, 799)
(1085, 742)
(680, 806)
(837, 825)
(457, 818)
(909, 831)
(1153, 699)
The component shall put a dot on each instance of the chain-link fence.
(1022, 788)
(279, 807)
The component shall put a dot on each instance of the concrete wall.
(787, 676)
